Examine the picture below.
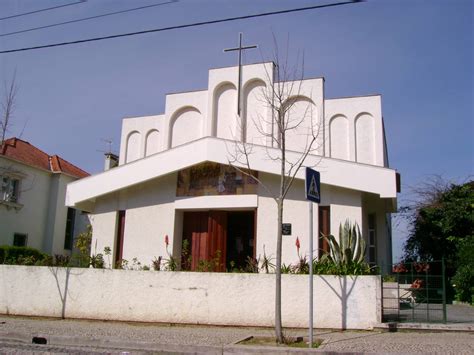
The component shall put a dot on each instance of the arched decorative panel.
(254, 112)
(365, 138)
(225, 112)
(185, 126)
(303, 123)
(339, 137)
(152, 141)
(133, 147)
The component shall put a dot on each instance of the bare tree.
(8, 103)
(284, 93)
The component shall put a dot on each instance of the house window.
(9, 189)
(20, 240)
(372, 240)
(69, 233)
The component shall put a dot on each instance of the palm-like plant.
(351, 247)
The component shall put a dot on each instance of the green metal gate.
(415, 292)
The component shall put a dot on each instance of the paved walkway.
(81, 336)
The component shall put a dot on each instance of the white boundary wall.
(352, 302)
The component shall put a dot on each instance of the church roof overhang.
(346, 174)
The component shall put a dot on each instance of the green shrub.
(328, 267)
(351, 246)
(463, 282)
(346, 257)
(463, 279)
(20, 255)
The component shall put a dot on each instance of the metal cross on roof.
(240, 48)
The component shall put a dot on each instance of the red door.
(206, 233)
(217, 239)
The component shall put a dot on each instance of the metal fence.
(414, 292)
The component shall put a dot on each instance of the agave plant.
(350, 248)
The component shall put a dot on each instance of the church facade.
(174, 187)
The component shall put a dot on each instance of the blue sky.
(418, 54)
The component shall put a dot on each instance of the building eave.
(346, 174)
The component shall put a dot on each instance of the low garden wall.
(350, 302)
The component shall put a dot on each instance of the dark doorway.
(324, 229)
(240, 238)
(119, 237)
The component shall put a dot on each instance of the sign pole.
(310, 274)
(312, 194)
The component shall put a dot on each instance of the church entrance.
(240, 239)
(217, 240)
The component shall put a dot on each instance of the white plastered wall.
(42, 216)
(149, 217)
(237, 299)
(229, 76)
(57, 214)
(362, 114)
(31, 219)
(306, 115)
(143, 126)
(373, 204)
(344, 204)
(177, 107)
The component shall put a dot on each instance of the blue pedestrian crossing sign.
(313, 185)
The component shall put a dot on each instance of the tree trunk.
(278, 324)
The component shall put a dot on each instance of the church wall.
(339, 141)
(344, 204)
(229, 77)
(149, 132)
(365, 138)
(372, 204)
(349, 129)
(225, 119)
(153, 211)
(149, 217)
(306, 113)
(189, 108)
(103, 234)
(185, 126)
(254, 113)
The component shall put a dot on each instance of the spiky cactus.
(351, 247)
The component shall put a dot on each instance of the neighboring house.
(173, 176)
(32, 194)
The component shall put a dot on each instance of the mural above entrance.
(214, 179)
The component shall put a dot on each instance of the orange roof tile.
(28, 154)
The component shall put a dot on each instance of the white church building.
(173, 176)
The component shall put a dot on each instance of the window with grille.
(69, 234)
(9, 189)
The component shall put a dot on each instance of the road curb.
(429, 327)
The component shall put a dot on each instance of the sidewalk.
(143, 337)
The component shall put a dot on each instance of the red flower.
(399, 268)
(297, 244)
(167, 241)
(420, 267)
(417, 284)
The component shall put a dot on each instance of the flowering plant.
(399, 268)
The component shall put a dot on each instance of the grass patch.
(291, 342)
